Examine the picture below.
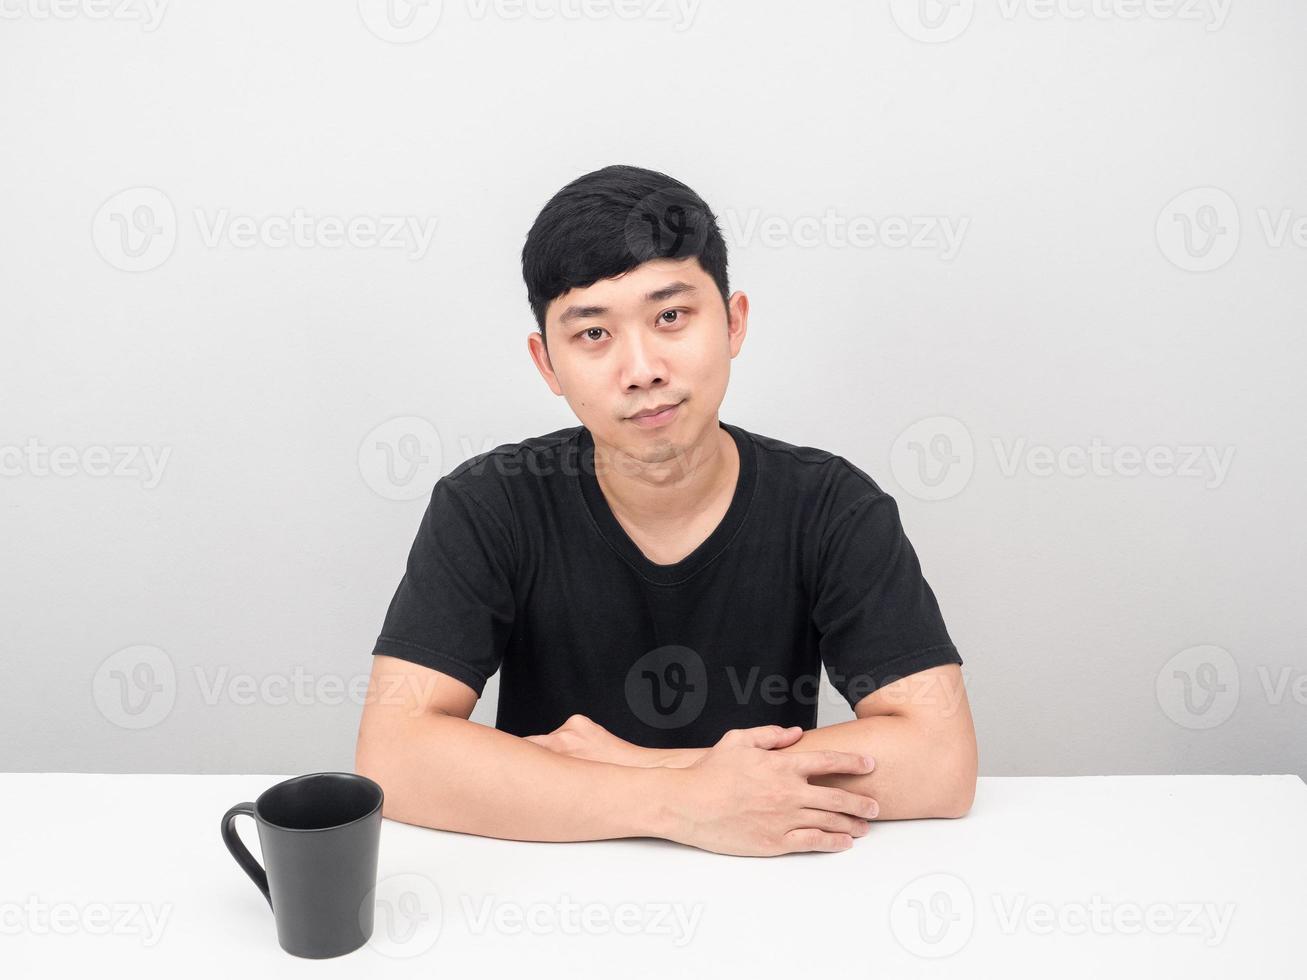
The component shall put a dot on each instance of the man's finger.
(812, 839)
(840, 801)
(768, 736)
(830, 761)
(831, 822)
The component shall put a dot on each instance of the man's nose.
(643, 364)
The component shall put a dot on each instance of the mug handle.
(240, 852)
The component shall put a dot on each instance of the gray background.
(1127, 181)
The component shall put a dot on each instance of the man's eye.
(587, 332)
(675, 313)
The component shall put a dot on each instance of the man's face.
(655, 336)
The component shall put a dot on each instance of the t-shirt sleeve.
(453, 610)
(877, 619)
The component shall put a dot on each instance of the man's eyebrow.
(677, 288)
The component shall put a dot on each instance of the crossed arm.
(918, 730)
(910, 753)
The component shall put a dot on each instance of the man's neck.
(667, 492)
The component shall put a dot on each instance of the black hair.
(609, 221)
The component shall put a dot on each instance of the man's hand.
(582, 738)
(740, 798)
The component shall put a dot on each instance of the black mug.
(320, 835)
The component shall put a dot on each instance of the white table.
(1118, 876)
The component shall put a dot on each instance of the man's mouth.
(656, 416)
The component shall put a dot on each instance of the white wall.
(1053, 141)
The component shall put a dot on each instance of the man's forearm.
(916, 775)
(449, 773)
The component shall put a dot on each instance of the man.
(659, 590)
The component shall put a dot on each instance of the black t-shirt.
(520, 566)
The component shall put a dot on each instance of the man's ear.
(737, 320)
(535, 344)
